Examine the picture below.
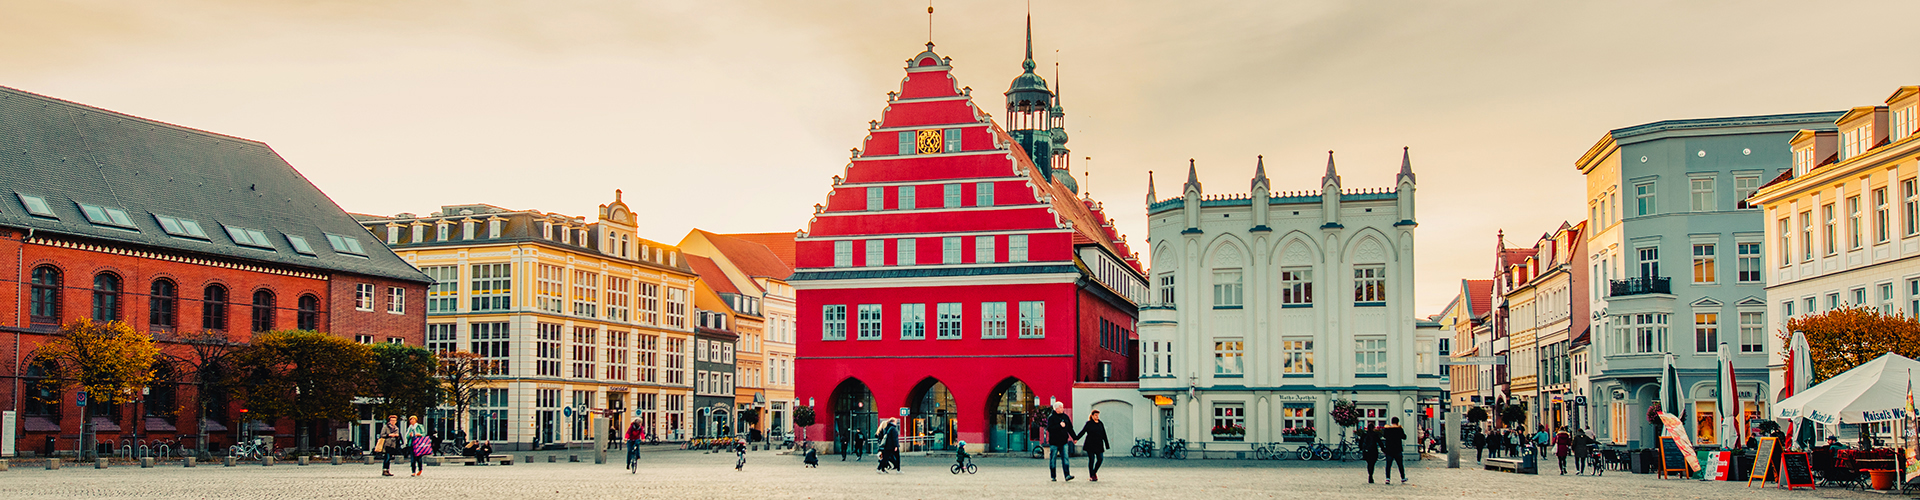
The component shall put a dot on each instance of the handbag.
(380, 446)
(422, 446)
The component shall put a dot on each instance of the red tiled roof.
(754, 258)
(1480, 294)
(781, 244)
(1086, 225)
(710, 274)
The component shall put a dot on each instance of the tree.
(1477, 414)
(1514, 414)
(209, 360)
(111, 361)
(463, 375)
(403, 381)
(803, 418)
(1841, 339)
(302, 375)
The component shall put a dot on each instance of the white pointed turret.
(1261, 194)
(1151, 199)
(1192, 199)
(1404, 186)
(1330, 196)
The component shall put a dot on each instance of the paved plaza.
(689, 474)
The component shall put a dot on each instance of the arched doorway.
(935, 415)
(853, 413)
(1011, 407)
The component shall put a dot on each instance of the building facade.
(1465, 319)
(582, 315)
(955, 279)
(1543, 290)
(1844, 225)
(172, 230)
(758, 274)
(1676, 251)
(1276, 305)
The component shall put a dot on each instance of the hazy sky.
(732, 116)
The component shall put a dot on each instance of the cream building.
(757, 275)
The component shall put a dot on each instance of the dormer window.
(419, 233)
(1903, 123)
(466, 229)
(1802, 160)
(1856, 142)
(493, 228)
(37, 206)
(106, 216)
(187, 228)
(300, 245)
(393, 235)
(249, 237)
(345, 244)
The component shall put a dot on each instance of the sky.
(733, 116)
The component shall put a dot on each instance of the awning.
(157, 424)
(259, 426)
(211, 425)
(41, 424)
(104, 424)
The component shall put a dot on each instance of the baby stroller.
(962, 461)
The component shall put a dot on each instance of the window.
(442, 337)
(876, 199)
(833, 320)
(949, 321)
(1806, 235)
(1370, 355)
(1227, 357)
(106, 297)
(1786, 242)
(952, 192)
(647, 349)
(1702, 191)
(188, 228)
(1226, 289)
(1704, 270)
(1643, 198)
(213, 308)
(396, 300)
(1886, 298)
(307, 316)
(1743, 187)
(1882, 227)
(913, 321)
(1016, 248)
(106, 216)
(363, 296)
(953, 140)
(983, 252)
(494, 225)
(1229, 421)
(1753, 327)
(37, 206)
(262, 311)
(869, 322)
(1749, 261)
(950, 250)
(492, 287)
(443, 294)
(546, 353)
(905, 195)
(1370, 285)
(1859, 297)
(906, 143)
(1296, 287)
(1853, 222)
(649, 303)
(1830, 237)
(249, 237)
(876, 253)
(1649, 332)
(619, 299)
(843, 253)
(1706, 333)
(1913, 298)
(676, 308)
(983, 194)
(550, 288)
(1903, 124)
(345, 244)
(1166, 289)
(1650, 262)
(1297, 422)
(676, 359)
(993, 320)
(1911, 193)
(1033, 319)
(585, 343)
(442, 230)
(903, 250)
(163, 299)
(1296, 356)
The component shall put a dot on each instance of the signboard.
(1296, 397)
(1794, 471)
(1762, 460)
(80, 399)
(7, 425)
(567, 411)
(905, 411)
(1162, 401)
(1716, 467)
(1475, 360)
(1672, 461)
(1579, 400)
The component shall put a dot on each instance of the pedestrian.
(1370, 448)
(1093, 440)
(1582, 448)
(740, 455)
(417, 435)
(1562, 444)
(1479, 445)
(634, 435)
(889, 437)
(1059, 436)
(1542, 439)
(1390, 439)
(388, 444)
(812, 458)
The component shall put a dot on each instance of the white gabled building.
(1268, 307)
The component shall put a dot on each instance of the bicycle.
(1142, 448)
(1320, 451)
(1596, 463)
(448, 448)
(633, 460)
(1268, 451)
(247, 451)
(965, 463)
(1176, 449)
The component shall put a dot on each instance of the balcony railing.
(1640, 286)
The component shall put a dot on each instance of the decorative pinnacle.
(1029, 63)
(1331, 175)
(1406, 163)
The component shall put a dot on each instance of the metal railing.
(1640, 286)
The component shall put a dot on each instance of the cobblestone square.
(690, 474)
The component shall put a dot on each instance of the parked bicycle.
(250, 450)
(1176, 449)
(1320, 451)
(1142, 448)
(1268, 451)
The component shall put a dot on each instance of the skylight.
(106, 216)
(37, 206)
(249, 237)
(345, 244)
(187, 228)
(300, 245)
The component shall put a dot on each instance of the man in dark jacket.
(1370, 449)
(1390, 439)
(1093, 440)
(1059, 437)
(889, 437)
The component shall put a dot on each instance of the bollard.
(266, 461)
(528, 460)
(369, 459)
(99, 463)
(573, 458)
(146, 462)
(303, 460)
(231, 461)
(336, 460)
(3, 465)
(53, 463)
(553, 458)
(191, 461)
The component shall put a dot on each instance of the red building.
(170, 229)
(955, 277)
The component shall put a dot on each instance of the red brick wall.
(1092, 308)
(349, 321)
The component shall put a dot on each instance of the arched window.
(262, 311)
(45, 299)
(106, 297)
(309, 317)
(213, 308)
(163, 301)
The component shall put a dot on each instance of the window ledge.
(1297, 375)
(1369, 375)
(1295, 306)
(1228, 375)
(1227, 307)
(1370, 304)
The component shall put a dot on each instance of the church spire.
(1406, 164)
(1259, 172)
(1151, 199)
(1029, 64)
(1193, 177)
(1332, 176)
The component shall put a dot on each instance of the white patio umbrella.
(1799, 377)
(1872, 392)
(1729, 399)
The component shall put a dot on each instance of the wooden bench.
(498, 459)
(1504, 465)
(446, 459)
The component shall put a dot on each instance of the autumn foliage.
(111, 361)
(1840, 339)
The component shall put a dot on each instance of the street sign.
(1475, 360)
(1579, 400)
(80, 399)
(904, 411)
(567, 411)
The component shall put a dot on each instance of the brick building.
(170, 229)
